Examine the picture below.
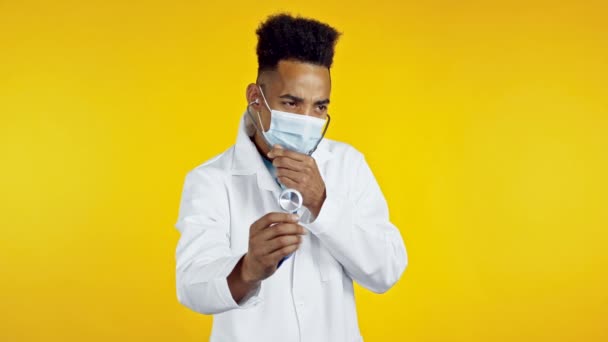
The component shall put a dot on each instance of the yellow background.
(486, 124)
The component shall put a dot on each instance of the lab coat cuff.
(251, 299)
(332, 216)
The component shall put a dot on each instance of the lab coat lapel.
(248, 161)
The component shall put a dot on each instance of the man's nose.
(309, 110)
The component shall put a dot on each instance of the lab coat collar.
(247, 159)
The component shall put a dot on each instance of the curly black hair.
(284, 37)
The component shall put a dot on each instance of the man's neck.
(261, 151)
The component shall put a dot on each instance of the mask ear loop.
(264, 98)
(259, 128)
(259, 119)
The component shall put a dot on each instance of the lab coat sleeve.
(203, 255)
(356, 230)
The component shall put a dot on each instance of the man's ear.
(253, 95)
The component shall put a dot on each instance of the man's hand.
(299, 171)
(272, 237)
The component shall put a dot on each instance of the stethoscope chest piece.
(290, 200)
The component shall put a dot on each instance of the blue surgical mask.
(295, 132)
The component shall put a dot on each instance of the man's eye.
(322, 107)
(289, 103)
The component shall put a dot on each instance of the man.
(268, 275)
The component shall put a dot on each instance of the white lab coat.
(310, 297)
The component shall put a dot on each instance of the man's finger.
(282, 229)
(282, 241)
(281, 152)
(289, 183)
(295, 176)
(283, 252)
(288, 163)
(271, 218)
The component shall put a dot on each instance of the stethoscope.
(290, 200)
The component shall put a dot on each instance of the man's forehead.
(293, 76)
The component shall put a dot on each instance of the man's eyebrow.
(299, 99)
(292, 97)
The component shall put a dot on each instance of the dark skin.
(300, 88)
